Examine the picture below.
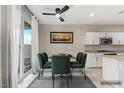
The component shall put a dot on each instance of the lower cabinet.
(94, 60)
(113, 71)
(121, 73)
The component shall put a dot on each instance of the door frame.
(0, 53)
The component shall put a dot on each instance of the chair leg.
(84, 74)
(82, 71)
(67, 80)
(39, 74)
(53, 78)
(42, 72)
(61, 75)
(71, 73)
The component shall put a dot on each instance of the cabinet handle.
(93, 41)
(119, 42)
(105, 34)
(120, 66)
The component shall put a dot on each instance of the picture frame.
(61, 37)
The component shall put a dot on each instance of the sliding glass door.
(25, 64)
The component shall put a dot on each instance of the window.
(27, 33)
(27, 46)
(25, 64)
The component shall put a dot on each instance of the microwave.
(105, 40)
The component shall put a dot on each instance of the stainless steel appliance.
(105, 40)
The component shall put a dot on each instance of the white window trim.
(0, 53)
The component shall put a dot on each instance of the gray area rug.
(78, 81)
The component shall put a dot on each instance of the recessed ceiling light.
(92, 14)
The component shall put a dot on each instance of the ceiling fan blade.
(48, 13)
(65, 8)
(121, 12)
(61, 19)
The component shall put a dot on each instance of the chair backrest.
(41, 60)
(78, 56)
(45, 56)
(83, 60)
(60, 65)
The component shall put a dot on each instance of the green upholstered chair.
(78, 58)
(60, 65)
(43, 64)
(81, 65)
(46, 57)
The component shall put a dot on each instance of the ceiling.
(80, 14)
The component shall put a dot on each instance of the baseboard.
(27, 81)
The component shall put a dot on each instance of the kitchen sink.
(110, 54)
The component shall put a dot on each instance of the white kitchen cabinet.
(106, 34)
(99, 60)
(118, 38)
(94, 60)
(110, 69)
(91, 60)
(121, 71)
(92, 38)
(113, 69)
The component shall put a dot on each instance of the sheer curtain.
(35, 49)
(11, 26)
(5, 42)
(16, 27)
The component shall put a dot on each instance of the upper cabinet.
(118, 38)
(106, 34)
(92, 38)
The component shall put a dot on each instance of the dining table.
(72, 58)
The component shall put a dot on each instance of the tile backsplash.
(104, 47)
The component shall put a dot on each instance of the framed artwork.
(61, 37)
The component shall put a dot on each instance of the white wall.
(46, 46)
(78, 39)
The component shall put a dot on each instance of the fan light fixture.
(58, 12)
(92, 14)
(57, 15)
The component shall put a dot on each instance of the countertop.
(101, 53)
(106, 51)
(119, 57)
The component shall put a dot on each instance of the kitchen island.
(113, 70)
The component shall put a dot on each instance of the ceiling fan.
(121, 12)
(58, 12)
